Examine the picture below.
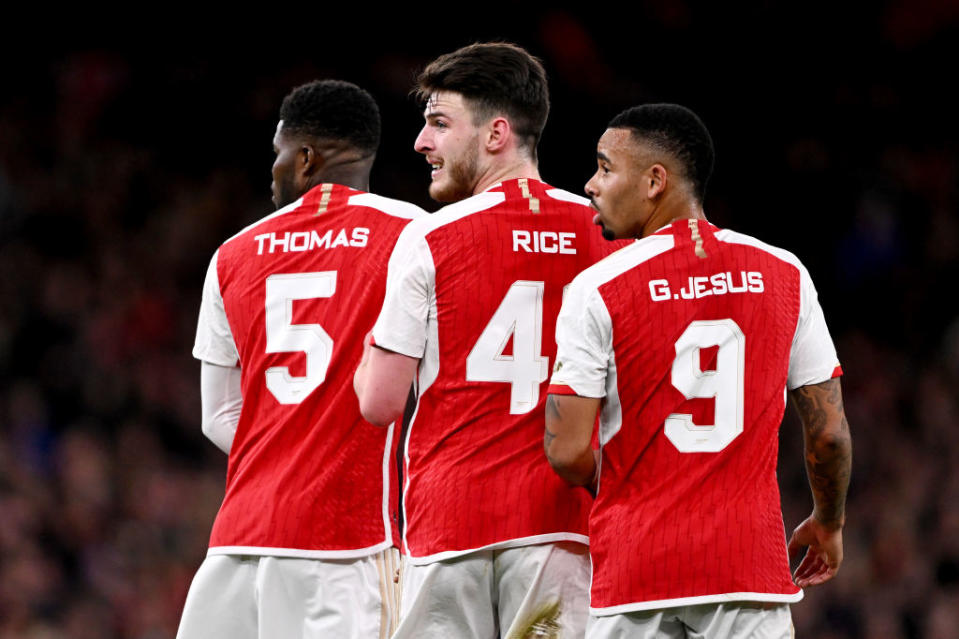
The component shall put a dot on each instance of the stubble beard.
(460, 176)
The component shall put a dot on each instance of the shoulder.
(566, 196)
(624, 260)
(452, 213)
(395, 208)
(732, 237)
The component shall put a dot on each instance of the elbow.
(574, 467)
(834, 441)
(379, 413)
(561, 464)
(832, 446)
(219, 432)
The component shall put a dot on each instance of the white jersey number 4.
(520, 316)
(725, 385)
(283, 336)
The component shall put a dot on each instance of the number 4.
(519, 315)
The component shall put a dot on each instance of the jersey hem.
(820, 376)
(560, 389)
(298, 553)
(502, 545)
(211, 358)
(695, 601)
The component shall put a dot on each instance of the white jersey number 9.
(725, 385)
(282, 336)
(519, 315)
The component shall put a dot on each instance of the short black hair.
(677, 131)
(333, 110)
(494, 78)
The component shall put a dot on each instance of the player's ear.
(498, 134)
(309, 160)
(657, 177)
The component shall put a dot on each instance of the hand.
(824, 552)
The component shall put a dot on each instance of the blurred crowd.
(120, 174)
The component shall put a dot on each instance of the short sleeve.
(402, 325)
(813, 356)
(214, 339)
(584, 343)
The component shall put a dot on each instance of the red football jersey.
(290, 299)
(692, 336)
(473, 291)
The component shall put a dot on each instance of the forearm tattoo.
(828, 447)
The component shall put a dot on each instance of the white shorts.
(736, 620)
(258, 597)
(530, 591)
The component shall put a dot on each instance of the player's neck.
(345, 169)
(666, 215)
(351, 175)
(519, 167)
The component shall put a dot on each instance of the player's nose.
(590, 188)
(423, 143)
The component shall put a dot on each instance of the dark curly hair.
(333, 110)
(675, 130)
(495, 78)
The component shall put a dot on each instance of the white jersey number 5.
(725, 384)
(283, 336)
(519, 315)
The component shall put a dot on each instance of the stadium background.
(125, 160)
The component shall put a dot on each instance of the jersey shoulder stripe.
(624, 259)
(458, 210)
(732, 237)
(396, 208)
(566, 196)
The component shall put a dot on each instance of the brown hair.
(494, 78)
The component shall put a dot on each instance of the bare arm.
(828, 449)
(382, 383)
(568, 438)
(221, 401)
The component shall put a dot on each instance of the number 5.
(282, 336)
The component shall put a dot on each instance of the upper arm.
(402, 324)
(578, 383)
(387, 377)
(813, 357)
(570, 419)
(221, 401)
(214, 338)
(820, 408)
(583, 343)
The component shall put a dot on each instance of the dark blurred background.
(132, 145)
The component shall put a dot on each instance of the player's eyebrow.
(602, 156)
(433, 115)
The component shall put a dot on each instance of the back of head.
(495, 78)
(677, 131)
(333, 110)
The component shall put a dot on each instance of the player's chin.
(444, 192)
